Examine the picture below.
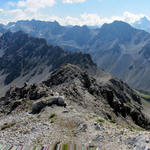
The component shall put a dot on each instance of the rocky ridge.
(112, 99)
(106, 114)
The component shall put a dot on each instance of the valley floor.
(70, 125)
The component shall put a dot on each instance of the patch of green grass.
(71, 108)
(26, 132)
(86, 119)
(128, 104)
(131, 128)
(112, 121)
(52, 116)
(106, 118)
(38, 116)
(7, 125)
(100, 120)
(52, 121)
(94, 116)
(142, 95)
(39, 141)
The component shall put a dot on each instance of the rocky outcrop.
(32, 92)
(116, 96)
(113, 99)
(38, 94)
(140, 119)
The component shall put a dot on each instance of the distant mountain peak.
(144, 19)
(117, 30)
(143, 24)
(117, 24)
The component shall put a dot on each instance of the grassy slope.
(145, 102)
(144, 96)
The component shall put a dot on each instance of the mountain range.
(117, 48)
(24, 58)
(50, 94)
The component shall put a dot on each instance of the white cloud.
(35, 5)
(73, 1)
(91, 19)
(83, 19)
(30, 9)
(19, 14)
(131, 18)
(10, 3)
(14, 15)
(95, 19)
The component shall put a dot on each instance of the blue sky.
(75, 12)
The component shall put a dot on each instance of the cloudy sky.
(74, 12)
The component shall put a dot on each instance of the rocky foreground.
(70, 125)
(73, 107)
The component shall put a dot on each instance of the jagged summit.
(66, 73)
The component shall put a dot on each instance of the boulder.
(38, 106)
(61, 101)
(57, 100)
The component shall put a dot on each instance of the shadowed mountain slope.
(24, 58)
